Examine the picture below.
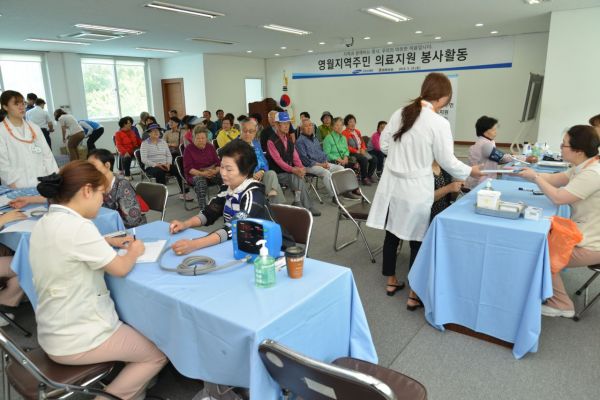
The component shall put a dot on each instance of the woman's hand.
(259, 175)
(183, 246)
(20, 202)
(14, 215)
(177, 226)
(476, 171)
(455, 186)
(120, 242)
(528, 173)
(136, 248)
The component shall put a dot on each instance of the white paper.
(151, 253)
(22, 226)
(500, 171)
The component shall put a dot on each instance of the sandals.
(397, 287)
(414, 307)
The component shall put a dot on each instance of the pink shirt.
(277, 157)
(375, 140)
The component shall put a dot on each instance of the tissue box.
(488, 199)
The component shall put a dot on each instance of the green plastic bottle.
(264, 267)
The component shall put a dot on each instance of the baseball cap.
(282, 117)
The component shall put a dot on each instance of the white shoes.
(4, 322)
(555, 312)
(187, 197)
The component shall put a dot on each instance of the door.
(173, 97)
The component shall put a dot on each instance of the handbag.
(144, 207)
(562, 239)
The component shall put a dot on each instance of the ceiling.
(330, 21)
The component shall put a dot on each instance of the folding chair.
(297, 221)
(117, 156)
(34, 375)
(181, 148)
(179, 165)
(8, 319)
(344, 379)
(138, 157)
(313, 182)
(584, 289)
(345, 181)
(155, 195)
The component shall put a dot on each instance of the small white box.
(533, 213)
(488, 199)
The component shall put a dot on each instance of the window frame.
(44, 69)
(149, 103)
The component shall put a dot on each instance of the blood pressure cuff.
(496, 155)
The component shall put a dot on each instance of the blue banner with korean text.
(411, 58)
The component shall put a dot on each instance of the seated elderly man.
(313, 157)
(285, 161)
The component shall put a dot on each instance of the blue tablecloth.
(107, 221)
(487, 273)
(210, 326)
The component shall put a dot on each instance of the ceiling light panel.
(388, 14)
(212, 41)
(56, 41)
(157, 50)
(101, 28)
(286, 29)
(159, 5)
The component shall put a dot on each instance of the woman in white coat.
(415, 136)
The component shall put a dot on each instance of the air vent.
(213, 41)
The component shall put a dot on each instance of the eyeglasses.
(563, 145)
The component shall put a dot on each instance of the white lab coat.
(405, 192)
(19, 163)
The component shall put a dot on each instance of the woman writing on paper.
(415, 136)
(241, 196)
(77, 320)
(579, 187)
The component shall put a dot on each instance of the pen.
(134, 234)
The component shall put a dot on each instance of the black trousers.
(47, 137)
(126, 164)
(93, 137)
(161, 175)
(390, 250)
(367, 167)
(379, 157)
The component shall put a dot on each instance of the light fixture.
(437, 37)
(248, 51)
(321, 43)
(159, 50)
(418, 32)
(183, 9)
(283, 47)
(276, 54)
(102, 28)
(367, 38)
(494, 32)
(286, 29)
(390, 42)
(56, 41)
(212, 41)
(479, 24)
(535, 2)
(310, 51)
(387, 14)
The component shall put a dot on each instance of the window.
(253, 91)
(114, 88)
(22, 73)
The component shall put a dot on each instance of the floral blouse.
(122, 198)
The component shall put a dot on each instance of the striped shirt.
(155, 153)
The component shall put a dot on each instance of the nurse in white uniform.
(415, 136)
(24, 153)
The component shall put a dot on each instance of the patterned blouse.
(440, 205)
(122, 198)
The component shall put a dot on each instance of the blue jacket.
(310, 151)
(260, 156)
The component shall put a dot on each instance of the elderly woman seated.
(578, 187)
(201, 164)
(484, 150)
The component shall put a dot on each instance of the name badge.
(35, 149)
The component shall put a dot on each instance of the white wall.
(495, 92)
(572, 84)
(225, 86)
(191, 69)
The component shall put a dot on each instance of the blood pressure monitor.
(246, 232)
